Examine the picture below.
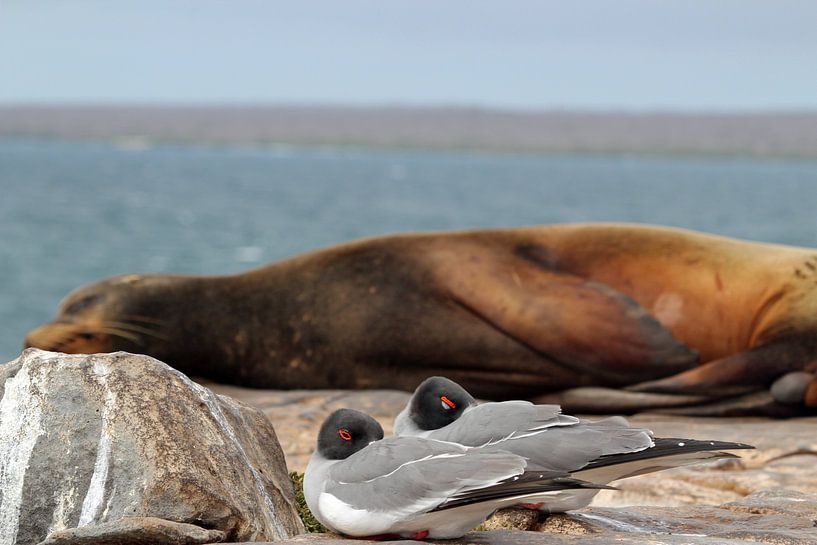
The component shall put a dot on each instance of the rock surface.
(768, 495)
(516, 537)
(136, 531)
(120, 448)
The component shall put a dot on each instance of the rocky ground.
(768, 495)
(120, 449)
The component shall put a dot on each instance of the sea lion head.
(105, 316)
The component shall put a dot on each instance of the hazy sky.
(634, 54)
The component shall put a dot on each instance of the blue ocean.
(74, 212)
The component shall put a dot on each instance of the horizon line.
(408, 106)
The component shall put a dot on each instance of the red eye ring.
(448, 402)
(345, 435)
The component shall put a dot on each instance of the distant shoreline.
(762, 134)
(286, 148)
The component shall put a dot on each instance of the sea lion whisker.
(135, 329)
(121, 333)
(63, 329)
(145, 319)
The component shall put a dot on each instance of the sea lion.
(505, 312)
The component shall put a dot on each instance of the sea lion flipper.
(598, 400)
(584, 325)
(594, 400)
(745, 372)
(754, 404)
(728, 376)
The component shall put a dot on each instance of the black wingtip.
(689, 445)
(743, 446)
(579, 483)
(704, 444)
(668, 446)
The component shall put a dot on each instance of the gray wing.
(570, 448)
(550, 440)
(408, 475)
(495, 422)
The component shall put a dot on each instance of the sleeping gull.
(362, 485)
(597, 452)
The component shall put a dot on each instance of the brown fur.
(507, 313)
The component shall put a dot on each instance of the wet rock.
(88, 440)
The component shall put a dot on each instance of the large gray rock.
(121, 448)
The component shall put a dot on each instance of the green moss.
(310, 522)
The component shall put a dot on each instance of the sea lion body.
(507, 313)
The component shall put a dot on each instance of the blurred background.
(209, 137)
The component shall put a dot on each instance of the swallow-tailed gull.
(598, 452)
(359, 484)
